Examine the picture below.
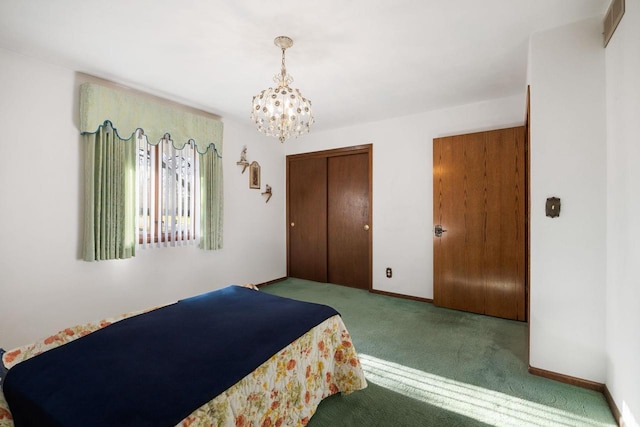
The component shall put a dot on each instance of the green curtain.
(110, 165)
(109, 179)
(211, 200)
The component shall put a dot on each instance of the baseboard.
(373, 291)
(391, 294)
(591, 385)
(612, 405)
(567, 379)
(271, 282)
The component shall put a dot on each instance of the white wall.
(44, 285)
(623, 214)
(567, 325)
(403, 182)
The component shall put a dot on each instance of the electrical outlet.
(389, 272)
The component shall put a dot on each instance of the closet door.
(348, 220)
(307, 214)
(329, 216)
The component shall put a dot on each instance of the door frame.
(344, 151)
(527, 228)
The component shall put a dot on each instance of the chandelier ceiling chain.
(283, 69)
(282, 112)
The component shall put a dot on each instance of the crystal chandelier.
(282, 112)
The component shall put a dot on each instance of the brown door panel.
(478, 184)
(348, 220)
(307, 200)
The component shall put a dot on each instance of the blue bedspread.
(156, 368)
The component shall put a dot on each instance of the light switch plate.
(553, 207)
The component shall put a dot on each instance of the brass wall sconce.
(267, 192)
(243, 159)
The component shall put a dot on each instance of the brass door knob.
(366, 227)
(293, 224)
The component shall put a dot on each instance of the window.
(161, 186)
(167, 198)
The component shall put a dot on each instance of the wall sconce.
(243, 159)
(267, 192)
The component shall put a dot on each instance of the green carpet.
(429, 366)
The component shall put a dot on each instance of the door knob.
(293, 224)
(366, 227)
(439, 230)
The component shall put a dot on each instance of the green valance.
(128, 111)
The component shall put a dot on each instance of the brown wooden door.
(348, 220)
(479, 199)
(307, 205)
(329, 216)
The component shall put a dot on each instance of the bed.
(264, 361)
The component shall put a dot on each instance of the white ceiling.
(358, 60)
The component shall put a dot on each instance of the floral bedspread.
(283, 391)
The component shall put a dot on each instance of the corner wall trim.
(567, 379)
(591, 385)
(612, 405)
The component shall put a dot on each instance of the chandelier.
(282, 112)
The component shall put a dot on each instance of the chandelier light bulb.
(282, 112)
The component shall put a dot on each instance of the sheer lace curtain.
(161, 186)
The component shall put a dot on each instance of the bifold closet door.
(307, 204)
(348, 224)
